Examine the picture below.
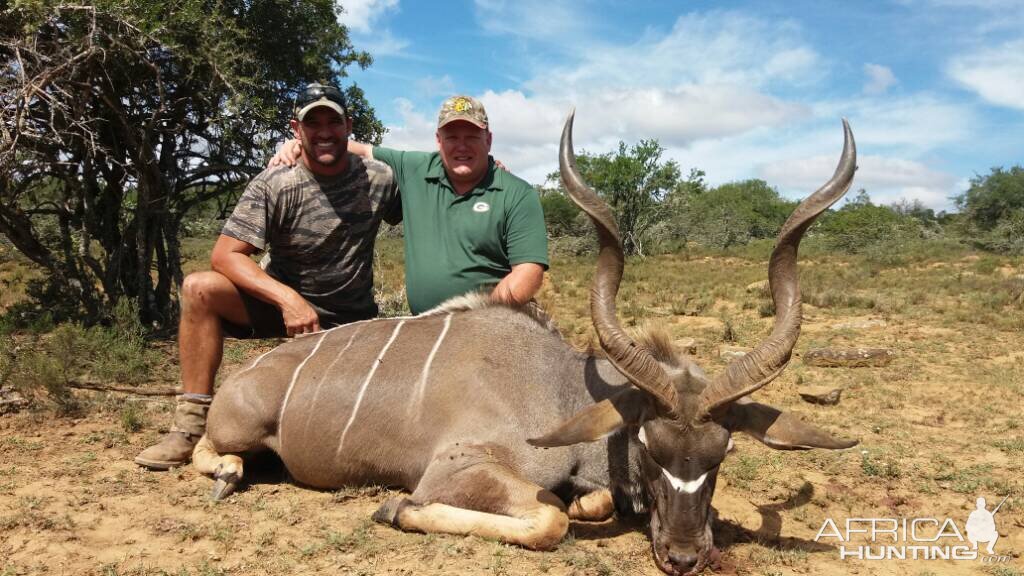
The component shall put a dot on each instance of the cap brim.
(301, 114)
(459, 117)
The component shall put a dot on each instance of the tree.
(993, 211)
(118, 117)
(634, 181)
(993, 197)
(561, 216)
(731, 214)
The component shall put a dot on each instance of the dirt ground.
(939, 426)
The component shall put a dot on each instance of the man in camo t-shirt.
(317, 221)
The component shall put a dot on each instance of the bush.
(733, 214)
(861, 227)
(993, 211)
(1006, 237)
(574, 245)
(560, 215)
(994, 197)
(43, 365)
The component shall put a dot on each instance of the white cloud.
(913, 125)
(383, 43)
(992, 5)
(526, 129)
(360, 15)
(887, 180)
(880, 79)
(415, 132)
(544, 20)
(704, 79)
(432, 86)
(730, 134)
(996, 74)
(717, 48)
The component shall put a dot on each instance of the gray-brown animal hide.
(374, 402)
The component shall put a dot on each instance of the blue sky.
(934, 89)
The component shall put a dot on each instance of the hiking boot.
(175, 448)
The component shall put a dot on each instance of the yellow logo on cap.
(461, 105)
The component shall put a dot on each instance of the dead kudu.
(443, 405)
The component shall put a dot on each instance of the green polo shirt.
(458, 244)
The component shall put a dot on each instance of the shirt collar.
(491, 181)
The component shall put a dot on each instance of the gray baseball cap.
(319, 95)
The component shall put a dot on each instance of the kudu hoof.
(388, 511)
(225, 485)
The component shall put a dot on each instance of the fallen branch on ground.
(122, 389)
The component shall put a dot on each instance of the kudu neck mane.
(481, 300)
(656, 340)
(625, 474)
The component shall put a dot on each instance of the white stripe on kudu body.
(688, 486)
(295, 376)
(320, 383)
(257, 361)
(421, 386)
(362, 389)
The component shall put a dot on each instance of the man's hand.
(231, 257)
(519, 285)
(287, 155)
(299, 316)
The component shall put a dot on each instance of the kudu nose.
(682, 562)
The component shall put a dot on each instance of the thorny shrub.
(42, 364)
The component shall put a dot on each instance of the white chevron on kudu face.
(366, 383)
(687, 486)
(679, 485)
(421, 386)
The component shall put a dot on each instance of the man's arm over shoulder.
(291, 150)
(404, 163)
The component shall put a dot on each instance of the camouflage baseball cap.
(462, 108)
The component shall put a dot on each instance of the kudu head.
(682, 418)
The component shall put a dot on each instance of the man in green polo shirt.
(468, 225)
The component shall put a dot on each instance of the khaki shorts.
(267, 321)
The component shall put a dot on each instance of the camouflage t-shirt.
(319, 230)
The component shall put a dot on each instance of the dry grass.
(938, 427)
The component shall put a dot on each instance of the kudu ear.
(600, 420)
(779, 430)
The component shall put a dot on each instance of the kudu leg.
(237, 424)
(592, 507)
(226, 469)
(468, 491)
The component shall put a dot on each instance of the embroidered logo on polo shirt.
(481, 207)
